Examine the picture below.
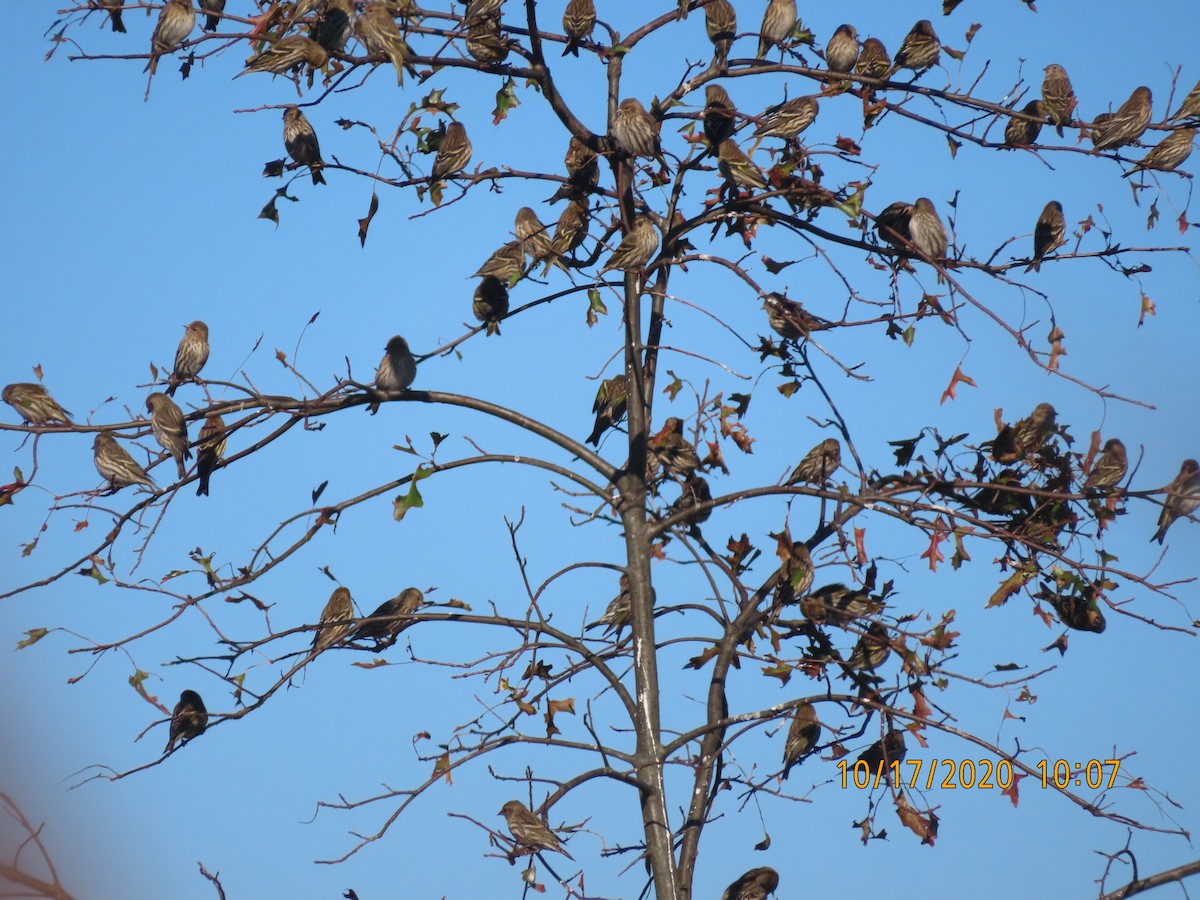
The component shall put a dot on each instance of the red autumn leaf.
(1013, 791)
(958, 378)
(860, 545)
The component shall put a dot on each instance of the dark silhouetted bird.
(1048, 234)
(397, 369)
(210, 450)
(390, 617)
(490, 303)
(1015, 442)
(883, 753)
(188, 720)
(871, 651)
(301, 143)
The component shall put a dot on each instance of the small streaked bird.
(210, 450)
(1169, 153)
(841, 53)
(490, 303)
(928, 232)
(920, 48)
(795, 573)
(1022, 133)
(636, 249)
(397, 369)
(116, 466)
(720, 22)
(213, 8)
(335, 26)
(533, 235)
(893, 225)
(838, 605)
(635, 130)
(1015, 442)
(1058, 97)
(188, 720)
(873, 60)
(485, 43)
(1048, 234)
(34, 404)
(114, 12)
(1188, 109)
(884, 752)
(529, 831)
(738, 170)
(802, 736)
(612, 398)
(695, 491)
(380, 35)
(787, 120)
(190, 355)
(175, 23)
(719, 118)
(286, 54)
(484, 9)
(818, 464)
(779, 20)
(579, 18)
(618, 612)
(1128, 122)
(871, 651)
(1183, 498)
(753, 885)
(1109, 468)
(334, 622)
(453, 153)
(170, 428)
(672, 450)
(506, 264)
(569, 232)
(1079, 613)
(301, 143)
(583, 172)
(1099, 123)
(789, 319)
(390, 617)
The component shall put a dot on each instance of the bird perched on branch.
(841, 53)
(175, 23)
(381, 36)
(34, 404)
(390, 617)
(720, 22)
(210, 450)
(818, 464)
(490, 303)
(611, 403)
(636, 249)
(1058, 97)
(1015, 442)
(453, 153)
(1109, 468)
(334, 622)
(1048, 234)
(301, 143)
(802, 736)
(1128, 122)
(1169, 154)
(1022, 132)
(919, 50)
(170, 428)
(1183, 498)
(779, 21)
(529, 831)
(397, 369)
(190, 355)
(114, 464)
(188, 720)
(286, 54)
(579, 18)
(753, 885)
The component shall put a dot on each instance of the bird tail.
(212, 23)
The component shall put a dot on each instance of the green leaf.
(596, 307)
(506, 99)
(672, 390)
(35, 635)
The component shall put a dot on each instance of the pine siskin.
(795, 573)
(1099, 123)
(737, 168)
(1169, 153)
(1015, 442)
(719, 115)
(533, 235)
(579, 18)
(175, 23)
(753, 885)
(34, 404)
(397, 369)
(789, 319)
(190, 355)
(334, 26)
(380, 35)
(920, 48)
(170, 428)
(1079, 613)
(1109, 469)
(695, 491)
(390, 617)
(583, 172)
(333, 625)
(881, 754)
(841, 53)
(569, 232)
(611, 402)
(818, 464)
(873, 61)
(453, 153)
(286, 54)
(507, 264)
(618, 613)
(802, 736)
(672, 450)
(529, 831)
(485, 43)
(838, 605)
(114, 464)
(928, 232)
(720, 21)
(1048, 235)
(114, 8)
(188, 720)
(1188, 109)
(635, 130)
(1058, 97)
(1022, 133)
(779, 20)
(490, 303)
(871, 651)
(787, 120)
(483, 9)
(636, 249)
(893, 225)
(214, 8)
(1129, 122)
(301, 142)
(210, 450)
(1183, 498)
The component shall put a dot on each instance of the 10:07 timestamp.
(981, 773)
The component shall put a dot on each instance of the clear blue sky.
(126, 219)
